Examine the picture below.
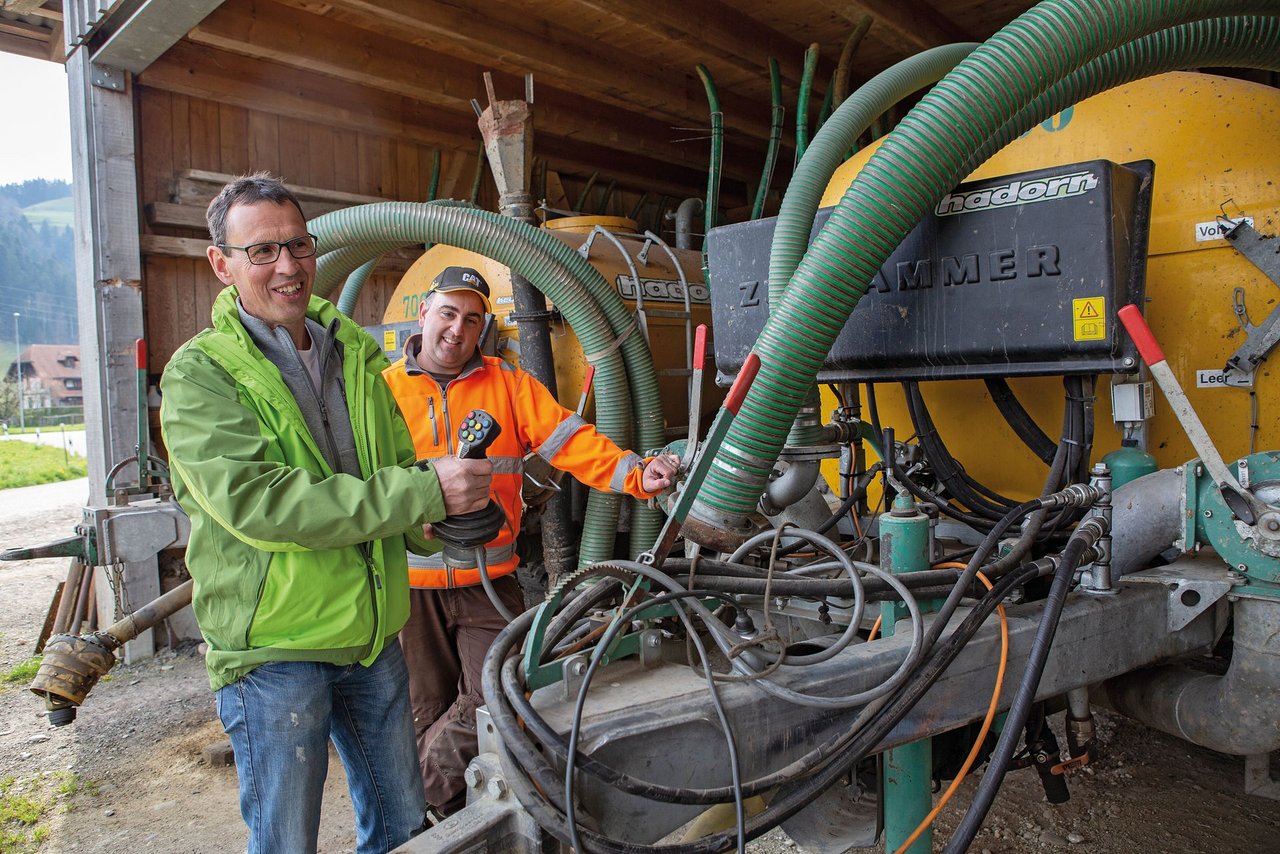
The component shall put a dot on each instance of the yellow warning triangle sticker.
(1088, 310)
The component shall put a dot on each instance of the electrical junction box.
(1132, 402)
(1012, 276)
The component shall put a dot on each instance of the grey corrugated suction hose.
(929, 153)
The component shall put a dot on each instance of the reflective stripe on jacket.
(531, 419)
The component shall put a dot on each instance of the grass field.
(25, 464)
(58, 212)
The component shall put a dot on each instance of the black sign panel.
(1018, 275)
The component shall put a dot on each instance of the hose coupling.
(1092, 530)
(1075, 495)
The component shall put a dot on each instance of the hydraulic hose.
(809, 774)
(1084, 538)
(930, 151)
(1021, 422)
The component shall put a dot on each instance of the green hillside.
(57, 212)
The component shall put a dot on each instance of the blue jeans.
(280, 718)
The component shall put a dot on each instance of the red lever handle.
(1136, 325)
(699, 346)
(742, 384)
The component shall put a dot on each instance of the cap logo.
(471, 279)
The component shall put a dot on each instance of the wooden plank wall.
(179, 132)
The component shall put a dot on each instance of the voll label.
(1213, 229)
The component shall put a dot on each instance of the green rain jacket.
(291, 562)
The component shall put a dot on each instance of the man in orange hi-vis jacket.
(452, 622)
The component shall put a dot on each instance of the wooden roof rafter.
(504, 37)
(913, 23)
(258, 84)
(371, 59)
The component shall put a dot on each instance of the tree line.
(37, 268)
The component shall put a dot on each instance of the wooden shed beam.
(715, 27)
(571, 63)
(268, 30)
(914, 23)
(23, 45)
(254, 84)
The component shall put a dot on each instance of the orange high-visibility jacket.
(531, 419)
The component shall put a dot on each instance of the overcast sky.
(36, 140)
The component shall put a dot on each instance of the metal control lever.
(1246, 507)
(695, 395)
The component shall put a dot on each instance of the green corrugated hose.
(563, 275)
(409, 222)
(932, 150)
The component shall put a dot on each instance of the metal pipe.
(789, 487)
(80, 611)
(688, 209)
(1233, 713)
(1146, 519)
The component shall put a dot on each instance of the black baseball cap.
(462, 279)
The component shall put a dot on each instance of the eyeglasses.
(267, 253)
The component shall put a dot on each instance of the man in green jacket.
(290, 456)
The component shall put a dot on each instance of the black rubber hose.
(843, 752)
(968, 491)
(821, 588)
(1084, 537)
(1019, 420)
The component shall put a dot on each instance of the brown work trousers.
(444, 642)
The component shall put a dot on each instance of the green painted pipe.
(928, 154)
(778, 113)
(474, 197)
(802, 102)
(908, 769)
(840, 80)
(825, 110)
(712, 204)
(433, 188)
